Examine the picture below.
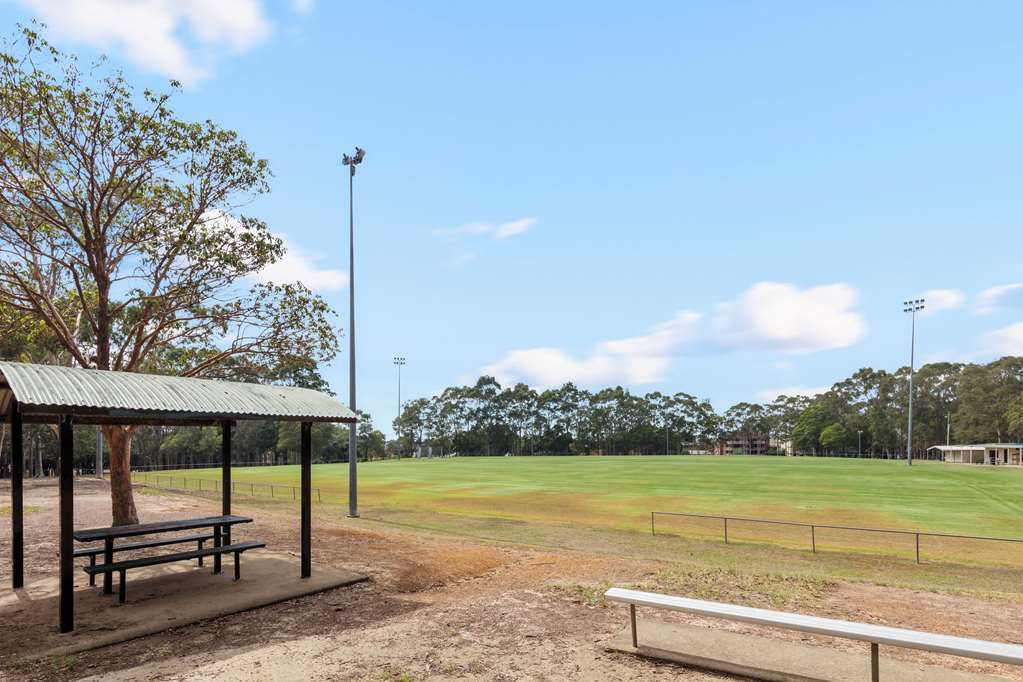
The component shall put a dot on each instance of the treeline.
(865, 413)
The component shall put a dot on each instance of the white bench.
(874, 634)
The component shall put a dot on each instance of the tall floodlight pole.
(911, 306)
(398, 362)
(353, 453)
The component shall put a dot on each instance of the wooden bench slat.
(878, 634)
(172, 558)
(89, 551)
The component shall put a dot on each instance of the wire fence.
(271, 490)
(812, 529)
(217, 464)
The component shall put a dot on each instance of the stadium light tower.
(353, 453)
(398, 362)
(911, 306)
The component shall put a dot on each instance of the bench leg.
(237, 566)
(122, 589)
(875, 672)
(108, 558)
(92, 564)
(216, 543)
(199, 559)
(632, 618)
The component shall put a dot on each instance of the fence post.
(918, 547)
(252, 489)
(726, 529)
(318, 495)
(271, 490)
(652, 531)
(292, 492)
(813, 539)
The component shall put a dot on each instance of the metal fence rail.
(218, 464)
(272, 490)
(917, 534)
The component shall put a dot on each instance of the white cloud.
(769, 394)
(510, 229)
(302, 6)
(937, 300)
(768, 316)
(175, 38)
(1007, 340)
(297, 266)
(778, 316)
(635, 360)
(1005, 296)
(497, 231)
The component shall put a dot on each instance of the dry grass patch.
(437, 567)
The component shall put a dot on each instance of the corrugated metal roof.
(48, 389)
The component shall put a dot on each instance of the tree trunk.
(121, 498)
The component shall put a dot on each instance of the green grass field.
(620, 492)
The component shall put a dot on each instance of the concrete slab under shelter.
(160, 598)
(761, 658)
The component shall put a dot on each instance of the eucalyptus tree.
(121, 233)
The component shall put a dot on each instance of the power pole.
(99, 452)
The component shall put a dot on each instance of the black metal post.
(67, 522)
(726, 529)
(225, 453)
(108, 558)
(217, 542)
(875, 663)
(307, 499)
(813, 539)
(17, 500)
(918, 547)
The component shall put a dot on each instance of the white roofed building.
(983, 453)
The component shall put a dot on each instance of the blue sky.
(726, 198)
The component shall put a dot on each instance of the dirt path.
(446, 608)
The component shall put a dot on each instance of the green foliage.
(103, 190)
(1014, 416)
(64, 662)
(811, 423)
(834, 437)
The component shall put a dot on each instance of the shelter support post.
(307, 499)
(17, 500)
(67, 521)
(225, 451)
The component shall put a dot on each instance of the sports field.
(620, 492)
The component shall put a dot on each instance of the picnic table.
(221, 533)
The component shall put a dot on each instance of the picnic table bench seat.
(221, 534)
(93, 552)
(122, 567)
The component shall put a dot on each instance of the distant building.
(983, 453)
(782, 445)
(753, 444)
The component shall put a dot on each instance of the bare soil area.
(441, 607)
